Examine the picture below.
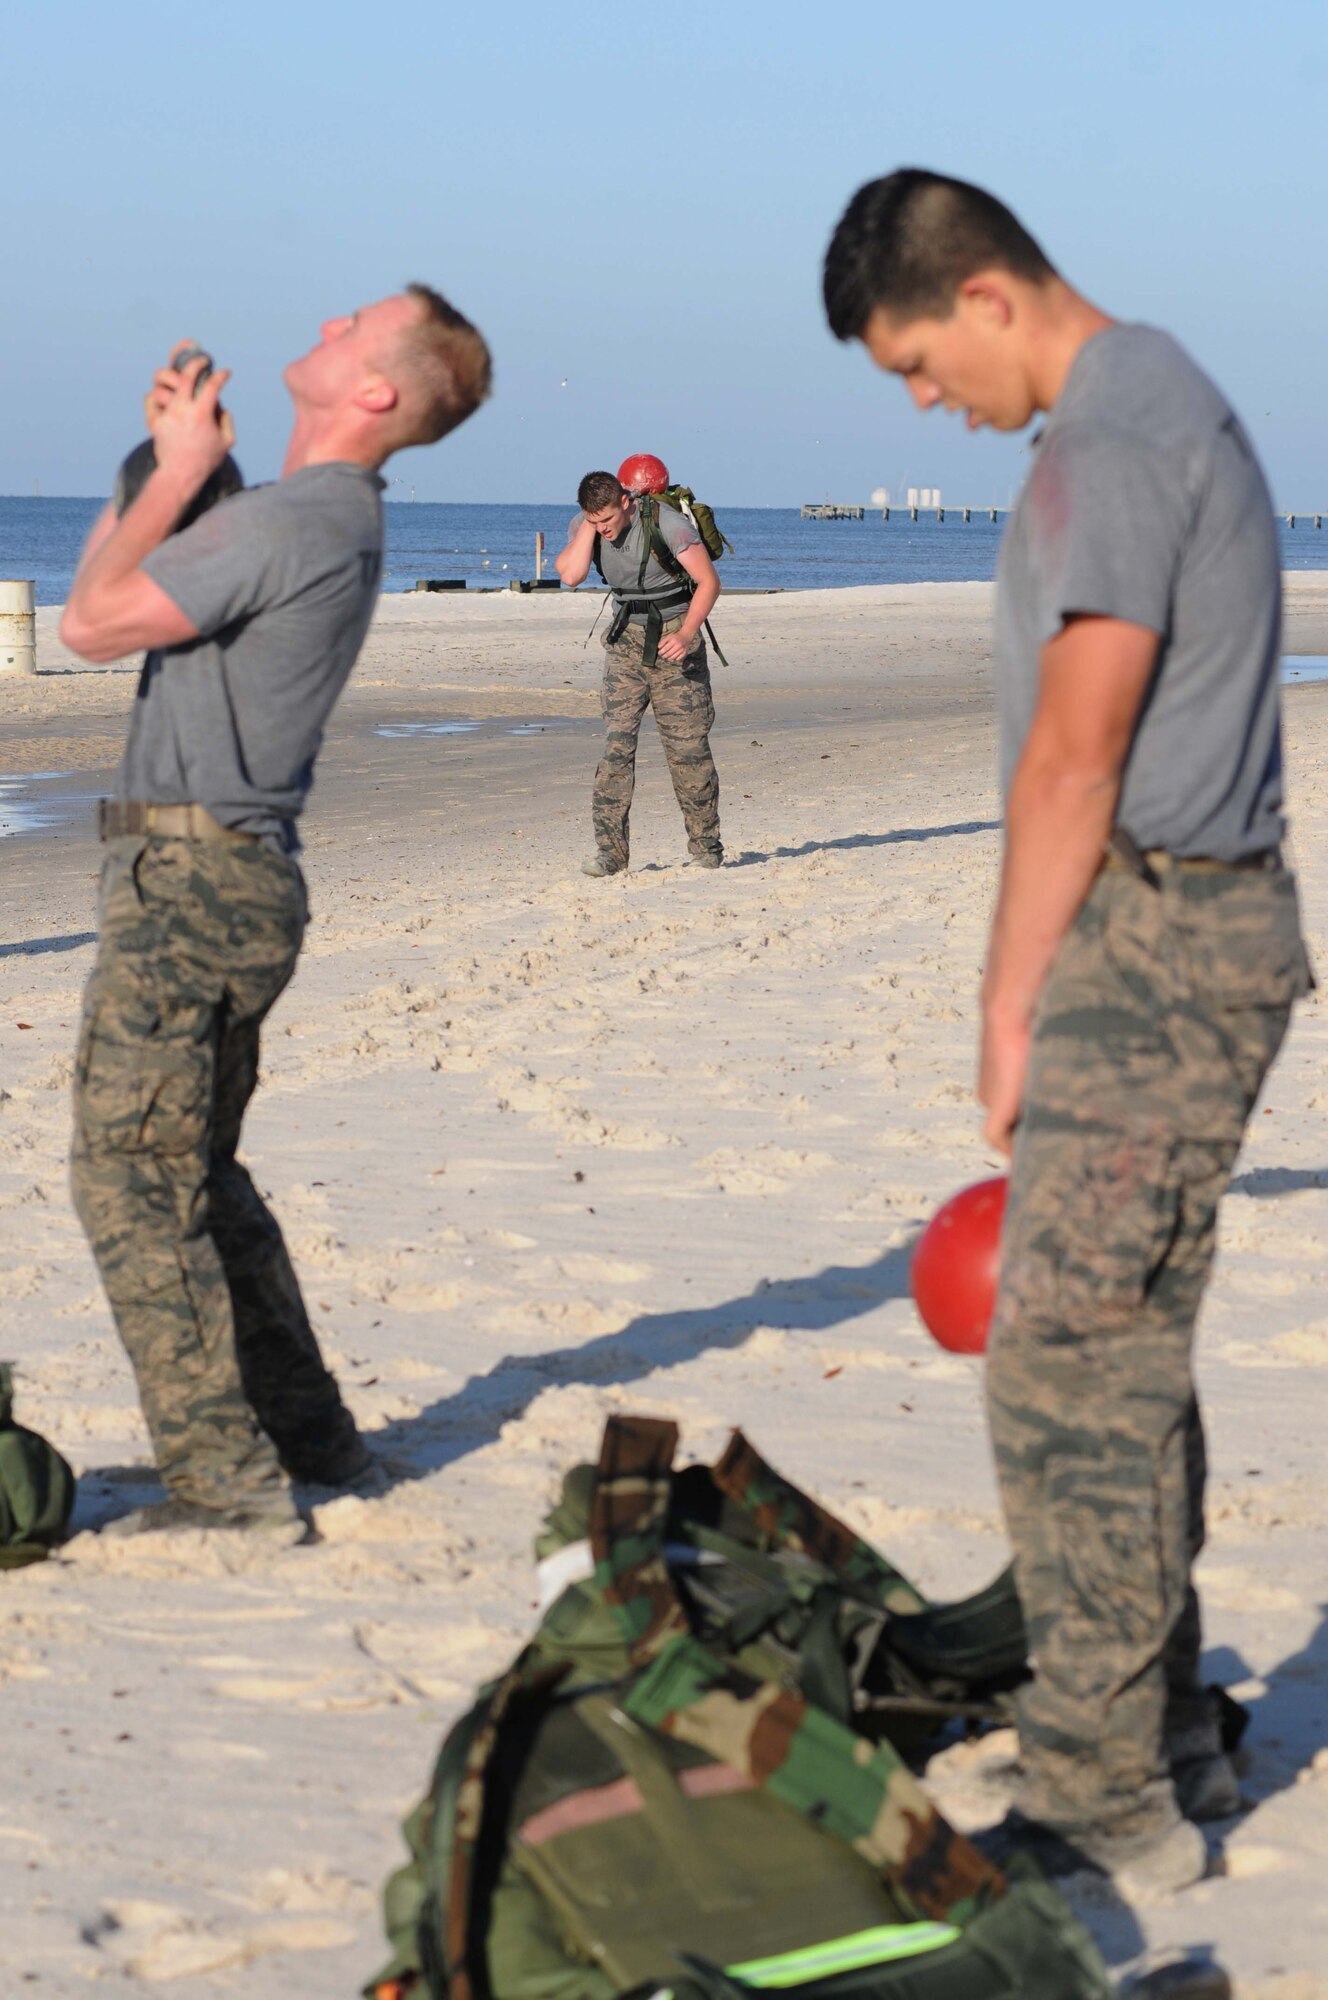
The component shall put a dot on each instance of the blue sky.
(634, 200)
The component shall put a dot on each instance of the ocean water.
(773, 549)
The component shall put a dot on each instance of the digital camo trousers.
(196, 942)
(1160, 1018)
(679, 693)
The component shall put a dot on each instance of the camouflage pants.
(679, 693)
(1161, 1016)
(196, 942)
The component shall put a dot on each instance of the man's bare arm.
(1060, 812)
(113, 607)
(573, 562)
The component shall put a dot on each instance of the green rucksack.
(701, 517)
(36, 1487)
(688, 1781)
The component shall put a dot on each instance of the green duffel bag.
(659, 1797)
(36, 1487)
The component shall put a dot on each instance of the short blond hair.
(443, 369)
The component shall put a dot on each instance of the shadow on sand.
(901, 837)
(473, 1417)
(1262, 1183)
(35, 947)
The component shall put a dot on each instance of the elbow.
(86, 640)
(1084, 781)
(75, 634)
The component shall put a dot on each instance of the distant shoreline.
(486, 545)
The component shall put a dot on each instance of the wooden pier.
(826, 511)
(1303, 517)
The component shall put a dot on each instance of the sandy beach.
(546, 1148)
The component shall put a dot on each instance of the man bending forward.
(1145, 953)
(655, 658)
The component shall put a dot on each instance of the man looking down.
(251, 619)
(1144, 956)
(655, 658)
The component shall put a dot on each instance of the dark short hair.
(597, 491)
(905, 244)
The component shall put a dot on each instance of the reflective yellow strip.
(875, 1947)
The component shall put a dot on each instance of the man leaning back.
(252, 619)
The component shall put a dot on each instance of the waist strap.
(656, 609)
(675, 601)
(135, 816)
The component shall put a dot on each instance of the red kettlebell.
(956, 1265)
(643, 473)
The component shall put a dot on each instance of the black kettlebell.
(141, 463)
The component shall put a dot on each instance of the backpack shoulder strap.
(653, 543)
(595, 557)
(627, 1521)
(795, 1521)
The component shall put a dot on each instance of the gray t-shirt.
(1146, 503)
(281, 582)
(621, 560)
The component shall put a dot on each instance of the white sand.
(546, 1148)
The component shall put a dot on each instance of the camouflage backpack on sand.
(36, 1487)
(689, 1781)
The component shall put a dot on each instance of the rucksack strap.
(793, 1520)
(862, 1794)
(627, 1522)
(653, 543)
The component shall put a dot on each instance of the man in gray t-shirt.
(1144, 956)
(1146, 505)
(251, 619)
(280, 584)
(664, 588)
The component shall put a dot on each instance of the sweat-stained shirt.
(1146, 503)
(281, 582)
